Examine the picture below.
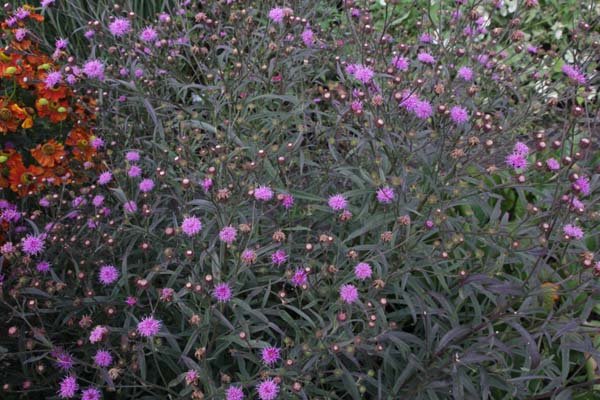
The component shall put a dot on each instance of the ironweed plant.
(304, 200)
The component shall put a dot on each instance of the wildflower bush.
(315, 201)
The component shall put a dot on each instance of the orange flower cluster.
(45, 128)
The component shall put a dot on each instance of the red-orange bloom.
(49, 154)
(25, 180)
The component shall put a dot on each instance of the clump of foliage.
(300, 200)
(40, 114)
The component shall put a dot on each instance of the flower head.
(228, 234)
(279, 257)
(222, 292)
(234, 393)
(337, 202)
(148, 34)
(98, 334)
(348, 293)
(267, 389)
(43, 266)
(270, 355)
(94, 69)
(104, 178)
(573, 231)
(400, 63)
(516, 161)
(263, 193)
(191, 226)
(583, 185)
(91, 394)
(308, 37)
(119, 27)
(108, 274)
(68, 387)
(521, 149)
(386, 195)
(465, 73)
(146, 185)
(300, 278)
(130, 207)
(276, 15)
(425, 58)
(103, 358)
(363, 73)
(148, 326)
(32, 245)
(52, 79)
(459, 115)
(363, 271)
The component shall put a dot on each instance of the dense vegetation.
(300, 200)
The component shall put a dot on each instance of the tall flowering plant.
(314, 200)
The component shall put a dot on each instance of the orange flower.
(55, 94)
(11, 115)
(9, 65)
(58, 175)
(57, 111)
(80, 140)
(49, 154)
(25, 181)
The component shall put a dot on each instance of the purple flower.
(191, 226)
(206, 184)
(148, 326)
(148, 34)
(423, 109)
(516, 161)
(64, 360)
(103, 358)
(20, 34)
(574, 73)
(348, 293)
(459, 115)
(425, 58)
(521, 149)
(94, 69)
(248, 256)
(98, 334)
(132, 156)
(104, 178)
(337, 202)
(234, 393)
(146, 185)
(91, 394)
(582, 184)
(363, 271)
(386, 195)
(98, 200)
(43, 267)
(134, 171)
(276, 15)
(108, 274)
(52, 79)
(47, 3)
(68, 387)
(222, 292)
(400, 63)
(228, 234)
(130, 207)
(363, 73)
(267, 389)
(287, 201)
(32, 245)
(270, 355)
(573, 231)
(279, 257)
(119, 27)
(300, 278)
(552, 164)
(263, 193)
(308, 37)
(465, 73)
